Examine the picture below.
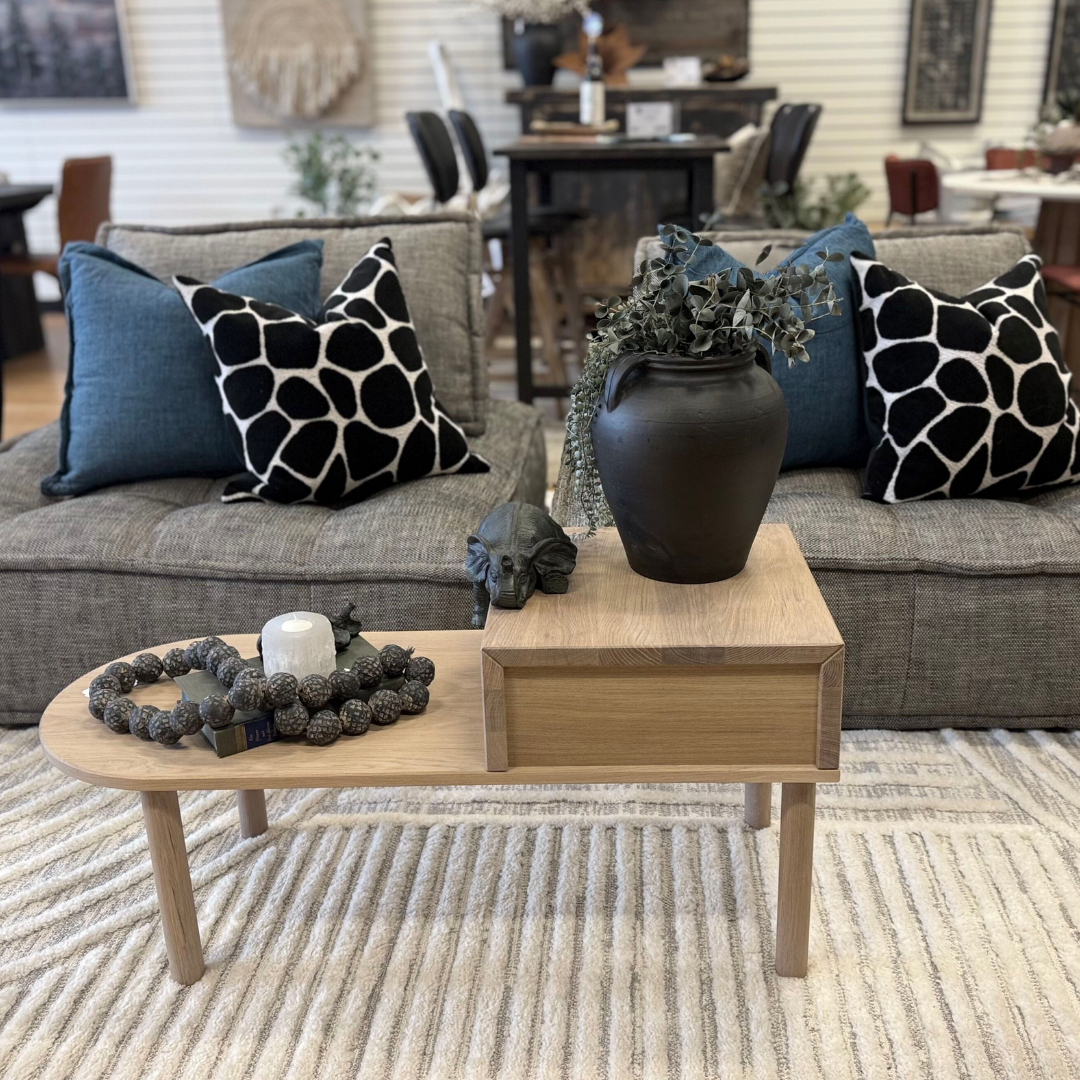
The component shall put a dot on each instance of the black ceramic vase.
(688, 452)
(535, 49)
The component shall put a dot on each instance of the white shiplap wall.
(179, 159)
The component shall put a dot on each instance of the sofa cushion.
(954, 613)
(135, 354)
(338, 408)
(965, 395)
(88, 579)
(826, 424)
(438, 256)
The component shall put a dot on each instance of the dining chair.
(436, 150)
(913, 186)
(551, 223)
(790, 132)
(81, 206)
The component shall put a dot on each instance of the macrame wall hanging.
(297, 60)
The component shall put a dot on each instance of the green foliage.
(668, 314)
(335, 176)
(803, 207)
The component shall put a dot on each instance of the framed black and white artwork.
(64, 51)
(1063, 61)
(946, 61)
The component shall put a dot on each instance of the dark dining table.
(20, 321)
(543, 156)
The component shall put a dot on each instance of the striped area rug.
(558, 932)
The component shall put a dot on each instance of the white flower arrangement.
(535, 11)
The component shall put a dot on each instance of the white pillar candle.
(301, 643)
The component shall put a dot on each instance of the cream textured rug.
(558, 932)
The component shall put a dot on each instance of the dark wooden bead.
(420, 669)
(246, 695)
(174, 663)
(147, 667)
(203, 648)
(117, 714)
(193, 658)
(124, 672)
(99, 699)
(281, 690)
(185, 718)
(105, 682)
(228, 670)
(216, 711)
(344, 685)
(414, 697)
(314, 692)
(139, 721)
(385, 707)
(394, 658)
(368, 669)
(355, 717)
(324, 727)
(161, 729)
(291, 719)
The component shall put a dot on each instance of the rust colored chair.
(81, 206)
(1004, 157)
(913, 186)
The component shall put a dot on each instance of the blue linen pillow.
(826, 421)
(140, 400)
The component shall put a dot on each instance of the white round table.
(1057, 233)
(1064, 187)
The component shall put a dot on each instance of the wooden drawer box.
(625, 671)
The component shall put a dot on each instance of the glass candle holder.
(301, 643)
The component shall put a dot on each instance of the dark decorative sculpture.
(517, 549)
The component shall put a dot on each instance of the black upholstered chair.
(790, 133)
(550, 269)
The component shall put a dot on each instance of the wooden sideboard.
(623, 206)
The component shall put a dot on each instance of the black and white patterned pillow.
(971, 395)
(333, 410)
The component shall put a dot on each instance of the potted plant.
(676, 427)
(537, 37)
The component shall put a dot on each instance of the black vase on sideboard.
(535, 47)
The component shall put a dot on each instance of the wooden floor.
(34, 383)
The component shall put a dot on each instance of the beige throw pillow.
(728, 167)
(743, 201)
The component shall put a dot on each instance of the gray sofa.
(958, 613)
(87, 579)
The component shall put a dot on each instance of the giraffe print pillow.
(969, 396)
(330, 410)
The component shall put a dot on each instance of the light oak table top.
(772, 612)
(442, 745)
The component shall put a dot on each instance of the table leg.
(700, 181)
(519, 253)
(757, 805)
(165, 832)
(796, 871)
(252, 807)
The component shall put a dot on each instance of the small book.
(251, 729)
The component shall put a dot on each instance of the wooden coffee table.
(771, 620)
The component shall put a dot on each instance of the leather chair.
(436, 149)
(913, 186)
(81, 206)
(790, 133)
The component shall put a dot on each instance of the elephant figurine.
(517, 549)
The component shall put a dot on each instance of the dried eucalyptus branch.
(670, 315)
